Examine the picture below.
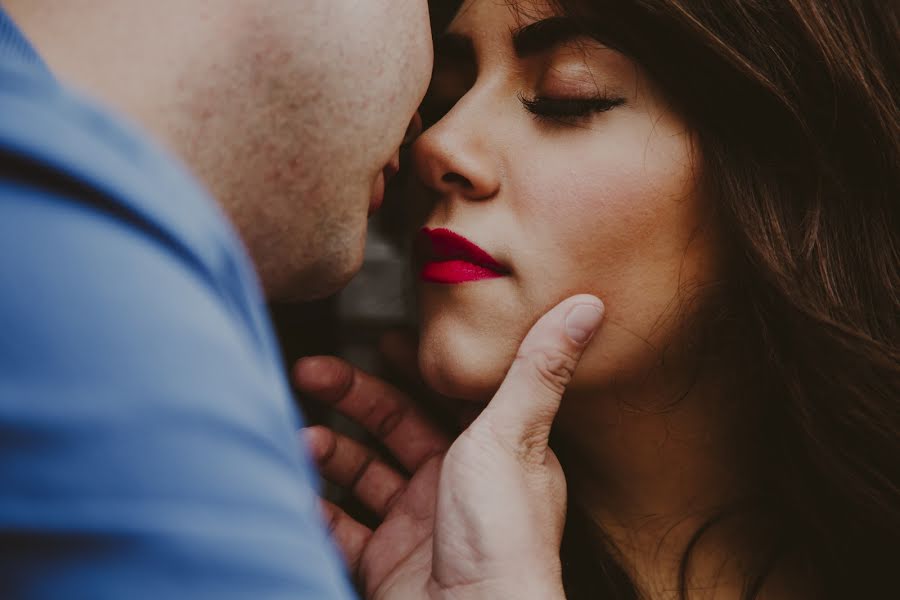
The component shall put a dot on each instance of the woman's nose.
(452, 158)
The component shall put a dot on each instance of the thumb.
(522, 411)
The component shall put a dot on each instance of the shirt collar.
(14, 45)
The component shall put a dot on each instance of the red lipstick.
(451, 258)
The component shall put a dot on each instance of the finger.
(349, 464)
(401, 350)
(350, 536)
(523, 409)
(383, 410)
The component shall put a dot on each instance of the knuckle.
(361, 471)
(329, 447)
(550, 368)
(392, 500)
(387, 423)
(488, 439)
(531, 449)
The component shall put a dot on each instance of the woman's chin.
(459, 372)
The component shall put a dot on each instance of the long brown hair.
(794, 105)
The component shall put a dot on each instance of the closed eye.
(568, 110)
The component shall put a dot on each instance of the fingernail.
(583, 321)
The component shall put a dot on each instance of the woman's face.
(558, 158)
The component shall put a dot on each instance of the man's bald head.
(288, 111)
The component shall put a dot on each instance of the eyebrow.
(527, 40)
(545, 34)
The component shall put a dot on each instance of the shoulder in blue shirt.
(147, 444)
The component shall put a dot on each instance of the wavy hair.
(794, 106)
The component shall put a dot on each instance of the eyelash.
(568, 110)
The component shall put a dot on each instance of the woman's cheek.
(589, 215)
(616, 224)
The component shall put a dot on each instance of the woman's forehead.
(486, 15)
(505, 27)
(493, 28)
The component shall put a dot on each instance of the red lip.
(451, 258)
